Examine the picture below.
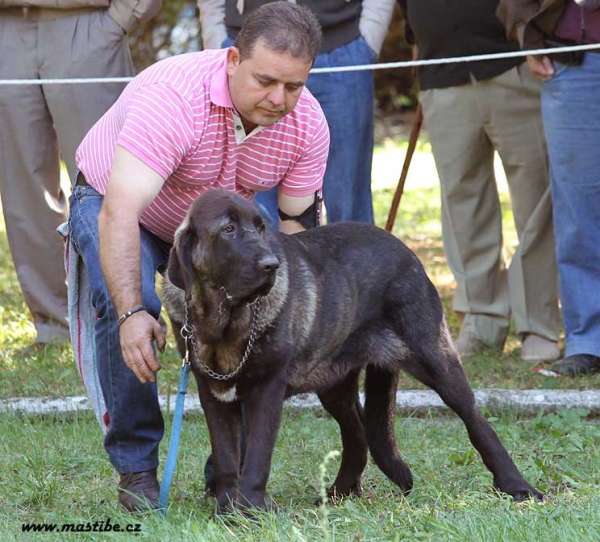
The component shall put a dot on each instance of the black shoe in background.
(578, 365)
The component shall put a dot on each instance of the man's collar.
(219, 87)
(240, 131)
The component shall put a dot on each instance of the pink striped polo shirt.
(178, 118)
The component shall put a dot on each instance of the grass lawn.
(54, 469)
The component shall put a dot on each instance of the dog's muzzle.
(268, 264)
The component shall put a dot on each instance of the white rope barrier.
(382, 66)
(456, 59)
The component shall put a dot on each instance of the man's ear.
(180, 268)
(233, 60)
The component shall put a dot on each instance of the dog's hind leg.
(342, 402)
(380, 410)
(443, 372)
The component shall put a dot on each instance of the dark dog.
(274, 315)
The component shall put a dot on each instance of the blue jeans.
(347, 101)
(136, 424)
(571, 115)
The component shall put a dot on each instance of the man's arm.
(515, 16)
(130, 13)
(131, 188)
(375, 18)
(293, 207)
(212, 23)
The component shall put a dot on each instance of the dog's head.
(223, 243)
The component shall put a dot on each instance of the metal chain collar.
(188, 332)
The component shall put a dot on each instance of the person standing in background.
(39, 124)
(471, 110)
(353, 33)
(571, 114)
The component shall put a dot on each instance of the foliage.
(173, 31)
(395, 89)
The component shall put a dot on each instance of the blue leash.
(167, 478)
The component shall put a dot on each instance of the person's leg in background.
(471, 214)
(347, 100)
(571, 115)
(86, 45)
(516, 131)
(32, 200)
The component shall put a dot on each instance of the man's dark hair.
(284, 27)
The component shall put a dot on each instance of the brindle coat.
(333, 300)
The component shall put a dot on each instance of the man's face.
(267, 85)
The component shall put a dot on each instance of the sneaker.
(138, 491)
(578, 364)
(535, 348)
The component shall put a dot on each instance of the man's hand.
(540, 66)
(136, 335)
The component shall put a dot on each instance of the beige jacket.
(127, 13)
(375, 18)
(529, 21)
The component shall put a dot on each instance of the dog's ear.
(181, 269)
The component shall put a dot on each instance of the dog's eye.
(229, 229)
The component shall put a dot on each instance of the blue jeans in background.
(571, 115)
(136, 424)
(347, 100)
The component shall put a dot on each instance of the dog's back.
(357, 296)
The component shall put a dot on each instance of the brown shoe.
(138, 491)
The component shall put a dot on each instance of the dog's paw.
(336, 494)
(529, 494)
(520, 491)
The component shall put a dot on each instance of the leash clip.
(186, 359)
(187, 334)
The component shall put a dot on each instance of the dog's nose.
(269, 263)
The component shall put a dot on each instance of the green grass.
(53, 469)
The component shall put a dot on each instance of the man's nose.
(277, 96)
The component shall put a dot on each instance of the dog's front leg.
(263, 406)
(224, 422)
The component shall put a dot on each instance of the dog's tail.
(380, 410)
